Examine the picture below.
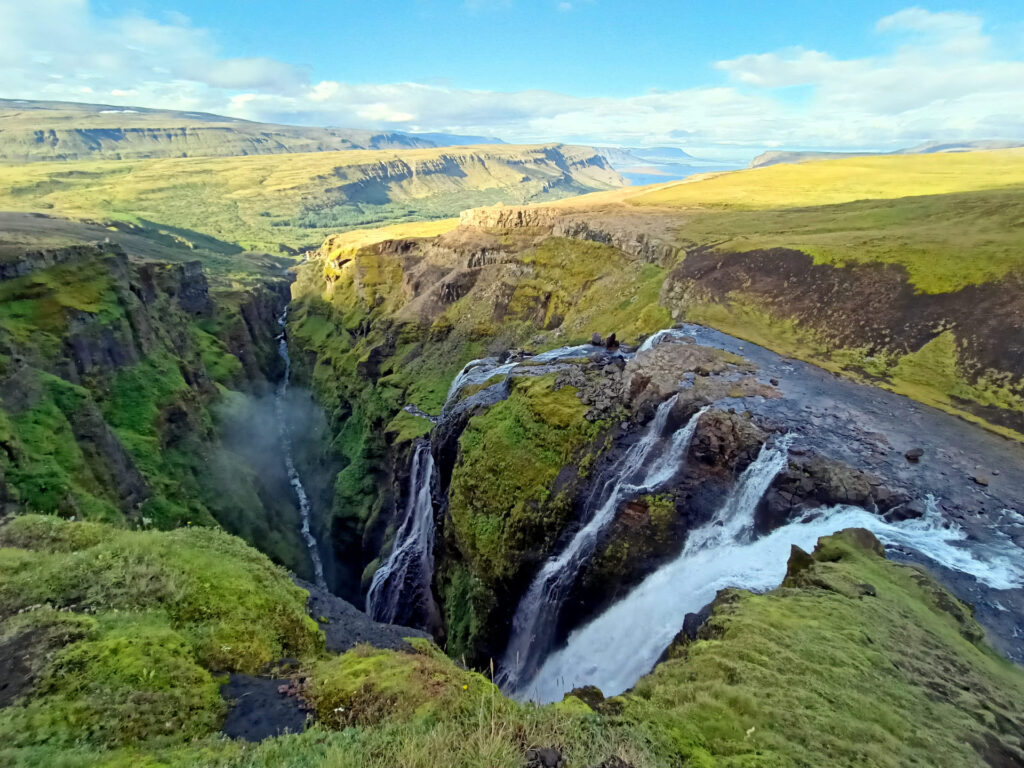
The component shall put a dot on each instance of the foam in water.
(623, 644)
(305, 511)
(480, 370)
(536, 617)
(659, 337)
(411, 563)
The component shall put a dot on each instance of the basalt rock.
(812, 481)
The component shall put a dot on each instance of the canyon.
(589, 448)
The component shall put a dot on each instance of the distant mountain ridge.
(775, 157)
(33, 131)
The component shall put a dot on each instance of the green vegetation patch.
(853, 661)
(235, 609)
(945, 242)
(367, 686)
(502, 505)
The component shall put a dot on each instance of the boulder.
(914, 454)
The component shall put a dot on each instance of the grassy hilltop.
(296, 200)
(950, 219)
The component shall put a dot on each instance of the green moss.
(816, 668)
(366, 686)
(133, 680)
(220, 364)
(468, 606)
(932, 374)
(236, 609)
(501, 502)
(406, 427)
(51, 473)
(644, 533)
(138, 393)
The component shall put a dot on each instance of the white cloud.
(940, 80)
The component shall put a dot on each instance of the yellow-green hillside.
(828, 182)
(296, 200)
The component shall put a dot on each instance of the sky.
(721, 79)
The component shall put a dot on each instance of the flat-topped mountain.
(776, 157)
(32, 131)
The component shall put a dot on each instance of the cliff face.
(53, 131)
(289, 203)
(118, 380)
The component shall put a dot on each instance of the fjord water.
(646, 466)
(305, 510)
(410, 566)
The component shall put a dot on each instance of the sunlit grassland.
(845, 180)
(297, 200)
(944, 241)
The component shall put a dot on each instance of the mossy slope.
(853, 661)
(141, 618)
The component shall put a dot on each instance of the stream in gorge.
(969, 534)
(294, 479)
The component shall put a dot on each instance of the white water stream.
(411, 563)
(648, 464)
(289, 460)
(618, 647)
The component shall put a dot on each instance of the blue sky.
(727, 77)
(595, 48)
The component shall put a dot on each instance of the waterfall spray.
(305, 511)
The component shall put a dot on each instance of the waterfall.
(657, 338)
(624, 642)
(410, 566)
(536, 618)
(618, 647)
(289, 459)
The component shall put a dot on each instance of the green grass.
(815, 672)
(143, 618)
(263, 201)
(853, 661)
(844, 180)
(945, 242)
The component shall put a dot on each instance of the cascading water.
(411, 563)
(536, 618)
(305, 510)
(614, 650)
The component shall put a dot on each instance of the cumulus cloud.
(939, 80)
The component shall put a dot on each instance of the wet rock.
(692, 622)
(914, 454)
(346, 626)
(595, 340)
(590, 695)
(726, 442)
(773, 382)
(611, 343)
(981, 478)
(911, 510)
(544, 757)
(262, 708)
